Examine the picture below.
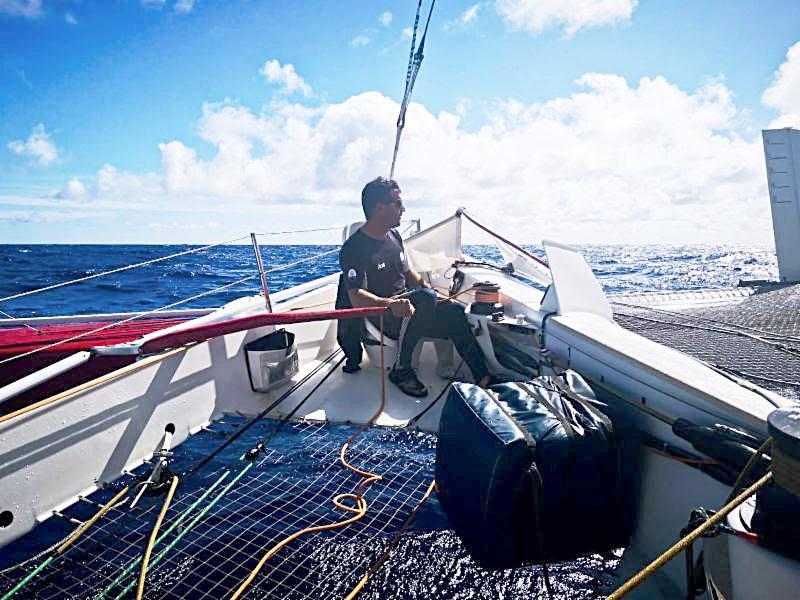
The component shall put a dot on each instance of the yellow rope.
(153, 534)
(681, 545)
(82, 529)
(359, 507)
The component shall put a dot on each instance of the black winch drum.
(776, 519)
(784, 428)
(532, 472)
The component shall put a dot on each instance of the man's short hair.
(377, 191)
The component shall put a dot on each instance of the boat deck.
(751, 333)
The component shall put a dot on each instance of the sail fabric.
(524, 265)
(437, 247)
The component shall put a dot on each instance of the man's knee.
(424, 299)
(452, 311)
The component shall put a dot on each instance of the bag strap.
(568, 428)
(575, 397)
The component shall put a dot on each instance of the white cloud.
(407, 31)
(466, 18)
(157, 4)
(286, 77)
(184, 226)
(38, 146)
(70, 19)
(360, 40)
(470, 15)
(614, 161)
(385, 19)
(535, 16)
(45, 216)
(73, 190)
(784, 92)
(184, 6)
(30, 9)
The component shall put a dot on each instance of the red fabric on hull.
(18, 340)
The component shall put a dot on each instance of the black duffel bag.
(532, 472)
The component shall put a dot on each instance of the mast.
(782, 155)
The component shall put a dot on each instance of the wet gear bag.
(532, 472)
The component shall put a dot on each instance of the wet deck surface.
(756, 337)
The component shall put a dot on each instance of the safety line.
(118, 270)
(464, 212)
(133, 318)
(162, 308)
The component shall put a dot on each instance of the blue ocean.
(619, 268)
(427, 562)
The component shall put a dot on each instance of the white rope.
(332, 228)
(118, 270)
(116, 323)
(304, 260)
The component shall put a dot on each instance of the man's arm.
(414, 278)
(400, 307)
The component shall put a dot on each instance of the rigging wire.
(118, 270)
(162, 308)
(414, 64)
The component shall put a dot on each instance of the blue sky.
(583, 120)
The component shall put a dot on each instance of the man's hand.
(401, 308)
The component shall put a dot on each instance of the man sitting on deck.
(375, 271)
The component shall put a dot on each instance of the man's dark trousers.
(436, 319)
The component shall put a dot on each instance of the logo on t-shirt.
(351, 274)
(381, 266)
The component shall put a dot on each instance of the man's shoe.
(406, 380)
(350, 366)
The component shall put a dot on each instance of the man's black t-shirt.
(378, 266)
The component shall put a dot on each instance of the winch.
(487, 300)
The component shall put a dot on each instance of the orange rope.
(359, 506)
(385, 554)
